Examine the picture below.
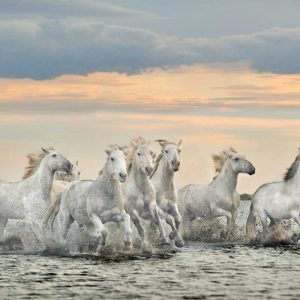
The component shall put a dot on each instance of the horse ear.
(77, 163)
(45, 150)
(134, 144)
(161, 142)
(108, 152)
(179, 143)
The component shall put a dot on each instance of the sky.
(82, 74)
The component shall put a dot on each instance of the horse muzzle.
(69, 168)
(252, 171)
(122, 177)
(149, 170)
(175, 166)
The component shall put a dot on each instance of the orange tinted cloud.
(157, 88)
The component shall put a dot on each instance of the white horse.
(276, 201)
(139, 190)
(30, 197)
(167, 163)
(218, 198)
(93, 203)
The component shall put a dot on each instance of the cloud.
(48, 47)
(68, 9)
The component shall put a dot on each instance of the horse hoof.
(172, 235)
(127, 246)
(179, 243)
(164, 242)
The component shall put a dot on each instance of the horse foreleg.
(125, 218)
(174, 234)
(154, 215)
(220, 212)
(101, 231)
(127, 231)
(137, 223)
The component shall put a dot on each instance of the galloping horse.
(92, 203)
(218, 198)
(276, 201)
(30, 197)
(167, 163)
(140, 193)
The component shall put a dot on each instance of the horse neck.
(142, 181)
(44, 178)
(108, 185)
(294, 182)
(163, 173)
(227, 178)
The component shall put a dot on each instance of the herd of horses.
(136, 185)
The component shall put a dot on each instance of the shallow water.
(198, 271)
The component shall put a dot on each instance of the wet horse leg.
(174, 234)
(220, 212)
(118, 217)
(155, 216)
(136, 221)
(101, 231)
(65, 221)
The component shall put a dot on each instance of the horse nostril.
(149, 170)
(122, 175)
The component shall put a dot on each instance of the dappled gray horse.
(92, 203)
(30, 198)
(276, 201)
(218, 198)
(167, 163)
(139, 190)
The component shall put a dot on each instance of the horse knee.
(177, 221)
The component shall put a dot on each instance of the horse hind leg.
(65, 222)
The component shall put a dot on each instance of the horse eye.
(78, 173)
(236, 159)
(139, 154)
(112, 159)
(166, 151)
(179, 150)
(54, 155)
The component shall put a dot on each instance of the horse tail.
(251, 224)
(52, 211)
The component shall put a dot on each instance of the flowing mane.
(221, 158)
(292, 170)
(34, 160)
(132, 148)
